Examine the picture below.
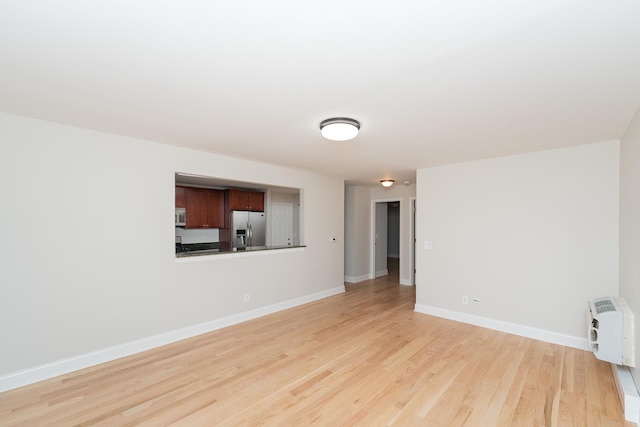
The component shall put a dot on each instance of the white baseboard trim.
(627, 392)
(74, 363)
(405, 282)
(356, 279)
(511, 328)
(381, 273)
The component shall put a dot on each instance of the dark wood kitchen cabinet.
(256, 201)
(243, 200)
(180, 202)
(205, 208)
(214, 208)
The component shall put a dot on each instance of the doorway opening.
(386, 238)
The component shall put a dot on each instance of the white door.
(281, 224)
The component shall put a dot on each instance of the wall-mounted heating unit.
(611, 330)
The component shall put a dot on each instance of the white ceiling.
(432, 82)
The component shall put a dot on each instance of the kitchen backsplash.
(198, 235)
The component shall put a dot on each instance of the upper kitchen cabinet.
(205, 208)
(243, 200)
(256, 201)
(214, 208)
(180, 201)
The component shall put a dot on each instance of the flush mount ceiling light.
(339, 128)
(387, 182)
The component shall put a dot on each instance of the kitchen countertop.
(227, 250)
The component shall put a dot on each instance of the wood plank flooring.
(360, 358)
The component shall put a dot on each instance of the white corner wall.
(630, 227)
(87, 256)
(532, 236)
(357, 229)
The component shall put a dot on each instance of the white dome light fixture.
(339, 128)
(387, 182)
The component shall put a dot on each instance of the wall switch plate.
(247, 297)
(465, 299)
(428, 244)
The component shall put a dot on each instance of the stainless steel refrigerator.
(249, 229)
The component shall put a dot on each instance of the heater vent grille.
(611, 330)
(604, 305)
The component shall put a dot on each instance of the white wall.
(87, 255)
(197, 235)
(630, 226)
(357, 234)
(533, 236)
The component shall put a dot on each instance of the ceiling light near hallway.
(339, 128)
(387, 182)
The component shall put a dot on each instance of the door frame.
(372, 235)
(412, 245)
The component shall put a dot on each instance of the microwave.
(181, 217)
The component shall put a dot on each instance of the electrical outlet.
(476, 300)
(465, 299)
(247, 297)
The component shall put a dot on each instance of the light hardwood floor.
(359, 358)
